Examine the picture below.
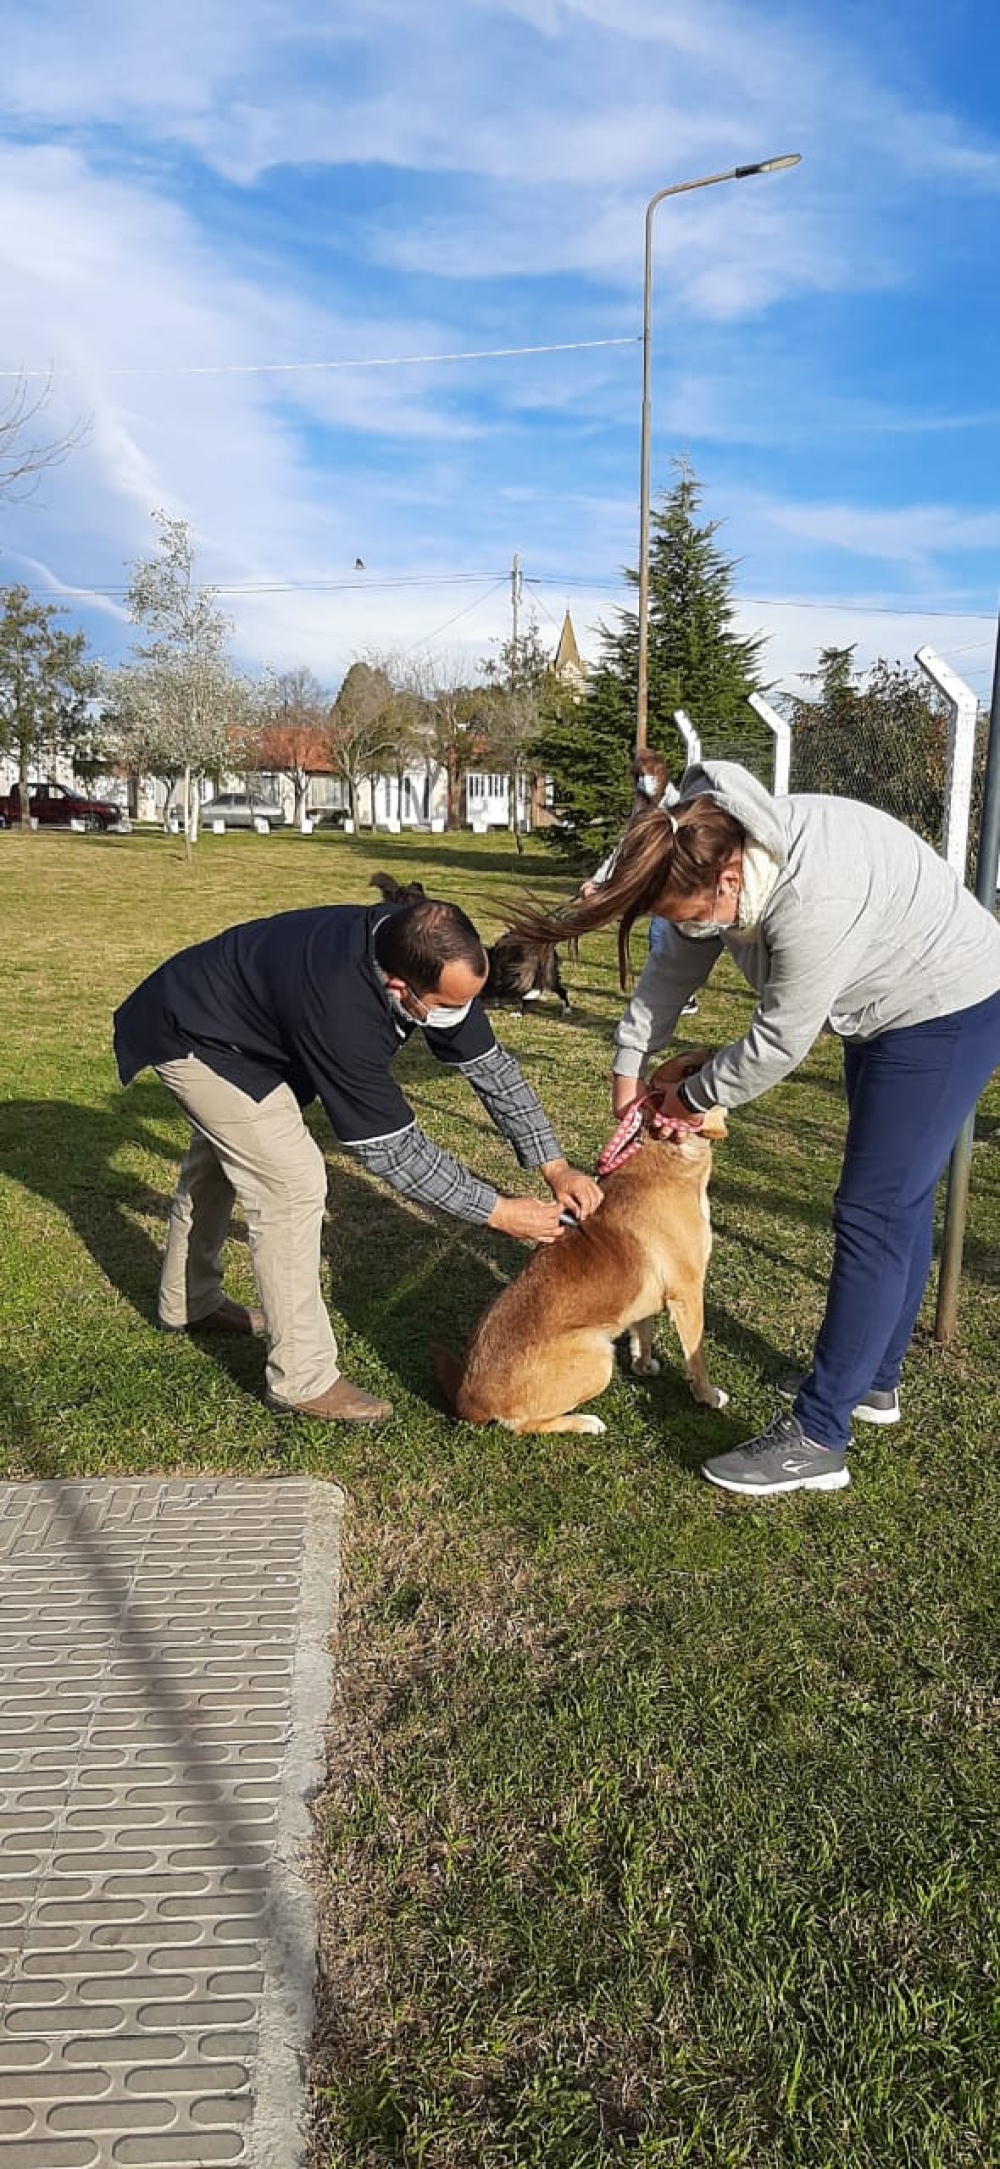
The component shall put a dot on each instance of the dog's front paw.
(717, 1397)
(591, 1423)
(645, 1366)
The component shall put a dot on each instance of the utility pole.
(515, 598)
(515, 765)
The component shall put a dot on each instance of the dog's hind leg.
(577, 1368)
(578, 1422)
(687, 1312)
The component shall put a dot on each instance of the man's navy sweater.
(295, 999)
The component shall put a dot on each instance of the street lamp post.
(680, 188)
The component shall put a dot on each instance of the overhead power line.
(365, 361)
(79, 591)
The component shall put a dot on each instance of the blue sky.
(231, 227)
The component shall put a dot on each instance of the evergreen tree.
(697, 662)
(881, 737)
(45, 684)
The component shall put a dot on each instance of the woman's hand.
(624, 1090)
(669, 1117)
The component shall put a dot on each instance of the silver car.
(235, 810)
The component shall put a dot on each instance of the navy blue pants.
(908, 1093)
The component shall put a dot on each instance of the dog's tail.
(448, 1372)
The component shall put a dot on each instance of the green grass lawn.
(661, 1827)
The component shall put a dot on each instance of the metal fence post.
(961, 756)
(782, 742)
(956, 851)
(689, 735)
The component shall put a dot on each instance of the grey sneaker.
(873, 1407)
(781, 1458)
(690, 1008)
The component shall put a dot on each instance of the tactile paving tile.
(164, 1689)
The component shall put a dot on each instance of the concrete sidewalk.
(165, 1681)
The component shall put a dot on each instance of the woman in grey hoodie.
(842, 918)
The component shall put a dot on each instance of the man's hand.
(527, 1219)
(576, 1193)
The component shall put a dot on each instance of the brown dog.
(547, 1342)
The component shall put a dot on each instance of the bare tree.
(197, 694)
(25, 453)
(362, 727)
(456, 725)
(293, 736)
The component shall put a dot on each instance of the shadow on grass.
(76, 1156)
(492, 860)
(397, 1278)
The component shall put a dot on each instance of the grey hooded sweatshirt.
(860, 928)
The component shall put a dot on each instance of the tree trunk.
(24, 789)
(187, 812)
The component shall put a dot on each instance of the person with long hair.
(652, 787)
(840, 918)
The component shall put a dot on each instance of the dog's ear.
(679, 1067)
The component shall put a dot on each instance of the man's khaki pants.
(260, 1153)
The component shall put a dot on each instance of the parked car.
(54, 805)
(238, 811)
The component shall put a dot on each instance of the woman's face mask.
(701, 929)
(648, 786)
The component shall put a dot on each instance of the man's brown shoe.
(227, 1317)
(341, 1403)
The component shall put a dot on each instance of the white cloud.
(917, 535)
(147, 221)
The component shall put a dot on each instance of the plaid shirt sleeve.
(410, 1163)
(513, 1109)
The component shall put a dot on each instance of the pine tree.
(697, 662)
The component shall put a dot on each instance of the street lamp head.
(769, 165)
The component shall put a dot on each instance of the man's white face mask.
(443, 1020)
(433, 1020)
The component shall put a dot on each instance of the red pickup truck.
(53, 805)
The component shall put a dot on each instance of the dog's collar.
(627, 1138)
